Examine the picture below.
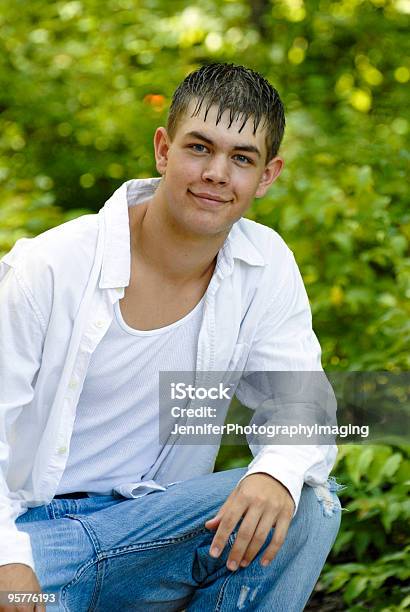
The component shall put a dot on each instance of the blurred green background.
(84, 84)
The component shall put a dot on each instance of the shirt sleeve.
(285, 342)
(21, 339)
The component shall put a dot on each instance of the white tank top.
(115, 437)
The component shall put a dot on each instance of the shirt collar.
(116, 264)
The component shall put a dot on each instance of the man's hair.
(242, 91)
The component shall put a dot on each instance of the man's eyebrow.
(238, 147)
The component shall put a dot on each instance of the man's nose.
(216, 170)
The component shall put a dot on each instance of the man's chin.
(201, 226)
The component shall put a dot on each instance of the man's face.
(211, 173)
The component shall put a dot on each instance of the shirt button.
(119, 289)
(99, 323)
(73, 384)
(62, 450)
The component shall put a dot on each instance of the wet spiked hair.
(242, 91)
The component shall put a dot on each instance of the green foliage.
(370, 556)
(82, 89)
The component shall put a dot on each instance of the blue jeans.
(152, 553)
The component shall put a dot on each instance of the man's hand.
(263, 502)
(19, 578)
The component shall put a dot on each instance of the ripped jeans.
(152, 554)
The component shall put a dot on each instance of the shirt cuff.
(291, 481)
(15, 548)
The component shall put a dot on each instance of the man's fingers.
(246, 533)
(279, 535)
(214, 519)
(225, 528)
(259, 511)
(258, 540)
(218, 516)
(213, 522)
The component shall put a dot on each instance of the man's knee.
(318, 517)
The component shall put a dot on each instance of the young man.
(168, 276)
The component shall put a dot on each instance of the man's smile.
(209, 198)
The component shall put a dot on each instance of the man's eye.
(200, 148)
(243, 159)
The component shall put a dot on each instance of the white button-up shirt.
(57, 296)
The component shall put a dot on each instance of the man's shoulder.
(57, 262)
(66, 245)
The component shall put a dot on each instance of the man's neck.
(164, 247)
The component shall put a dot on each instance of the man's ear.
(271, 172)
(161, 148)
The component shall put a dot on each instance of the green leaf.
(392, 464)
(355, 587)
(358, 462)
(361, 542)
(390, 515)
(343, 539)
(405, 603)
(375, 472)
(340, 578)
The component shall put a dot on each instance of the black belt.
(77, 495)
